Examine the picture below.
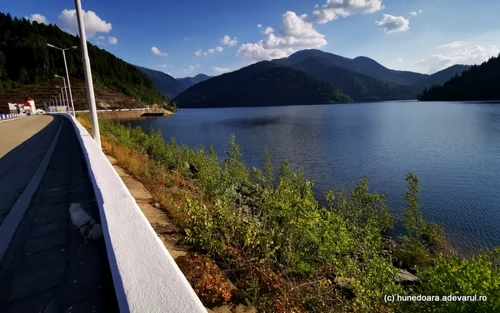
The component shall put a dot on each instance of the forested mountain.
(480, 82)
(360, 65)
(190, 81)
(260, 84)
(358, 86)
(26, 59)
(441, 77)
(165, 83)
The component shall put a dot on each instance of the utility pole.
(65, 92)
(67, 74)
(88, 75)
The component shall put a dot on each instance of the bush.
(272, 236)
(479, 275)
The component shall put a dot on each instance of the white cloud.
(189, 69)
(221, 70)
(37, 18)
(294, 34)
(112, 40)
(209, 51)
(268, 30)
(228, 41)
(197, 65)
(454, 44)
(101, 38)
(157, 51)
(415, 13)
(93, 23)
(392, 24)
(165, 65)
(259, 25)
(334, 9)
(458, 54)
(398, 60)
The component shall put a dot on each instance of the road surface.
(46, 267)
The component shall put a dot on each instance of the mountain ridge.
(260, 84)
(478, 83)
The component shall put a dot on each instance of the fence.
(8, 116)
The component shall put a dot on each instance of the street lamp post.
(67, 74)
(65, 92)
(63, 101)
(88, 74)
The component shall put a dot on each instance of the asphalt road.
(47, 266)
(23, 143)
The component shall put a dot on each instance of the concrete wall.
(8, 116)
(145, 276)
(127, 113)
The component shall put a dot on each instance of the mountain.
(360, 65)
(260, 84)
(359, 87)
(480, 82)
(165, 83)
(26, 59)
(441, 77)
(190, 81)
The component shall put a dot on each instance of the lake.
(453, 147)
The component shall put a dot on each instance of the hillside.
(360, 65)
(25, 59)
(260, 84)
(358, 86)
(190, 81)
(441, 77)
(105, 98)
(480, 82)
(165, 83)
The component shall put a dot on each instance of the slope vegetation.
(26, 59)
(260, 84)
(478, 83)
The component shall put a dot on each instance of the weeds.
(284, 250)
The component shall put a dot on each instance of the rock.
(406, 278)
(157, 205)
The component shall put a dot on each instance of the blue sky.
(417, 35)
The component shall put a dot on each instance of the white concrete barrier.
(145, 276)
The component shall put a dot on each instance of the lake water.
(454, 148)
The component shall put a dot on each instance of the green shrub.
(479, 275)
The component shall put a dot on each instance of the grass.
(286, 252)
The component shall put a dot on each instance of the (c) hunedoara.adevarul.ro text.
(425, 298)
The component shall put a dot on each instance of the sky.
(184, 38)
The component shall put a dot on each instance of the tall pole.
(66, 99)
(88, 74)
(69, 84)
(61, 98)
(55, 98)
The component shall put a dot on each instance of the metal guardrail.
(9, 116)
(116, 110)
